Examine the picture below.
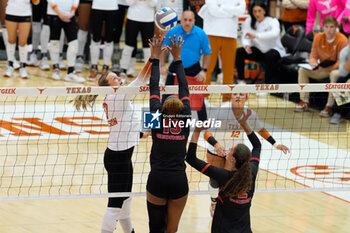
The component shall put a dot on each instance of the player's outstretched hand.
(175, 48)
(283, 148)
(156, 46)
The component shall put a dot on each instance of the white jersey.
(141, 11)
(231, 131)
(107, 5)
(19, 8)
(123, 121)
(65, 6)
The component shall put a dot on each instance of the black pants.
(342, 109)
(119, 22)
(39, 11)
(190, 71)
(56, 24)
(268, 59)
(96, 21)
(132, 28)
(119, 168)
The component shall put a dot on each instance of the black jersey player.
(167, 185)
(236, 182)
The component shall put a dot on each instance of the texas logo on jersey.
(151, 120)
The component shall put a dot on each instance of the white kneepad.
(110, 218)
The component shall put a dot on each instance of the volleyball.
(165, 18)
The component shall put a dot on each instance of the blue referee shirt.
(196, 43)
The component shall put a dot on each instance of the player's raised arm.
(156, 50)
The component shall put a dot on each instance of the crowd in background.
(49, 24)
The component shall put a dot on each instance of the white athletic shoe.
(56, 74)
(23, 73)
(16, 65)
(9, 72)
(44, 64)
(73, 77)
(79, 64)
(61, 64)
(33, 60)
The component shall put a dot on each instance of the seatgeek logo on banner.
(152, 120)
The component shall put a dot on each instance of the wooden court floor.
(271, 212)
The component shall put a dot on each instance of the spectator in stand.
(18, 18)
(326, 46)
(261, 42)
(140, 17)
(344, 77)
(270, 6)
(324, 8)
(102, 13)
(343, 17)
(84, 11)
(220, 24)
(294, 12)
(195, 6)
(60, 15)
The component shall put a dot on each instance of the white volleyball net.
(50, 150)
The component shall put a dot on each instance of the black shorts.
(56, 24)
(18, 19)
(39, 11)
(85, 1)
(169, 185)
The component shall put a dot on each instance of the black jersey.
(169, 143)
(231, 214)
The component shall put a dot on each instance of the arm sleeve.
(267, 136)
(154, 101)
(217, 173)
(210, 138)
(183, 85)
(313, 55)
(311, 16)
(273, 33)
(256, 147)
(205, 45)
(245, 30)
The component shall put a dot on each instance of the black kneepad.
(157, 215)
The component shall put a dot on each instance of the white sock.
(125, 216)
(82, 36)
(61, 41)
(45, 38)
(146, 54)
(126, 56)
(10, 51)
(5, 36)
(36, 27)
(110, 218)
(94, 52)
(72, 52)
(55, 51)
(23, 53)
(126, 225)
(107, 53)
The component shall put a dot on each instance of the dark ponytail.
(241, 181)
